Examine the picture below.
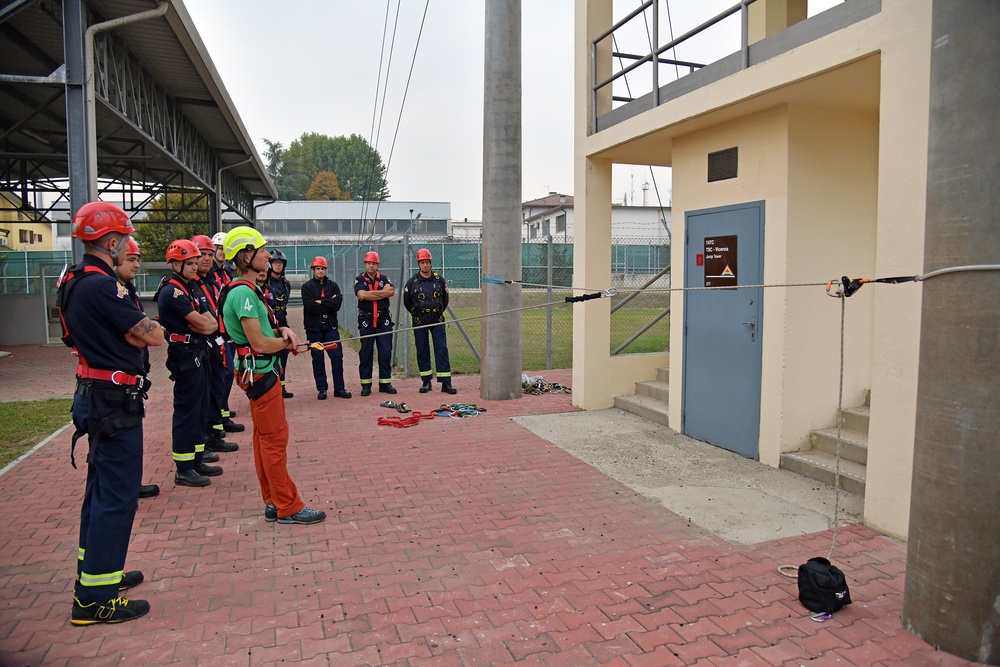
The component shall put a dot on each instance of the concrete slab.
(739, 500)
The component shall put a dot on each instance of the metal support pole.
(404, 262)
(548, 311)
(465, 334)
(501, 334)
(952, 594)
(656, 58)
(745, 33)
(74, 25)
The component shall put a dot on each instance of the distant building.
(21, 230)
(297, 222)
(553, 215)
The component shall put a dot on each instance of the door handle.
(753, 327)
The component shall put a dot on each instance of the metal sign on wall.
(720, 261)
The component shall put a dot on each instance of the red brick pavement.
(455, 542)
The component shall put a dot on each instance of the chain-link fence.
(638, 324)
(638, 321)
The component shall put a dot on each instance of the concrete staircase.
(819, 462)
(650, 398)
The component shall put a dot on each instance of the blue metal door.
(724, 247)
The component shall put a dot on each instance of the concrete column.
(952, 595)
(592, 372)
(501, 334)
(770, 16)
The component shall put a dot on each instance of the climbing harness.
(459, 410)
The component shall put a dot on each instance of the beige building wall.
(832, 212)
(833, 138)
(904, 110)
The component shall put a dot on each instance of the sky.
(314, 66)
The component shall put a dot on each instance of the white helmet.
(219, 239)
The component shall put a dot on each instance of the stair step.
(857, 419)
(654, 389)
(663, 375)
(645, 407)
(853, 444)
(822, 467)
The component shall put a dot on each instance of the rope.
(405, 422)
(840, 422)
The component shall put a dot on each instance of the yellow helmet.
(242, 238)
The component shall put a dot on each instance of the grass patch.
(23, 424)
(535, 331)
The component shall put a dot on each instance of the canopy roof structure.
(164, 121)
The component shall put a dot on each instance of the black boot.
(216, 443)
(207, 470)
(148, 490)
(447, 388)
(426, 386)
(190, 478)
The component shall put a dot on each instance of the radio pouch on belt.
(113, 410)
(182, 361)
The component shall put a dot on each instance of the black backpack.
(822, 586)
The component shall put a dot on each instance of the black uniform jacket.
(321, 315)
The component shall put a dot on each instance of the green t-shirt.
(242, 301)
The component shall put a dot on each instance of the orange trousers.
(270, 450)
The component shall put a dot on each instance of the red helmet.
(203, 242)
(318, 261)
(372, 256)
(423, 254)
(97, 218)
(133, 248)
(181, 250)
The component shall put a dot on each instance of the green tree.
(358, 166)
(171, 216)
(274, 155)
(325, 187)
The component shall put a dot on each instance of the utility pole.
(501, 334)
(952, 594)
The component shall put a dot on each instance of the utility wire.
(379, 111)
(402, 104)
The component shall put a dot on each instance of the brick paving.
(455, 542)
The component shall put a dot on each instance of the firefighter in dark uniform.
(277, 291)
(222, 273)
(107, 330)
(373, 291)
(220, 375)
(188, 330)
(127, 270)
(321, 300)
(425, 297)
